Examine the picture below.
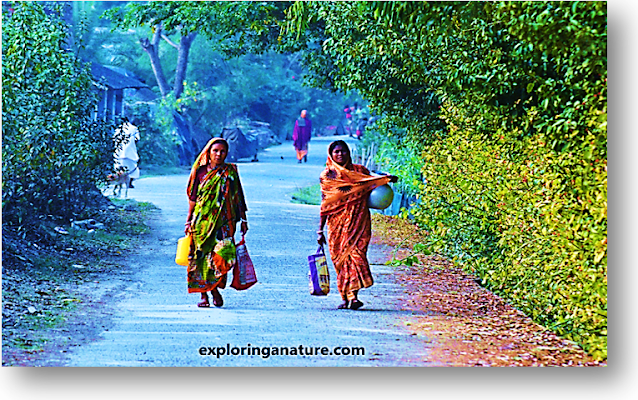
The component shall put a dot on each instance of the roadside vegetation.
(55, 275)
(469, 325)
(308, 195)
(492, 114)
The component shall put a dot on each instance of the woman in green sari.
(216, 204)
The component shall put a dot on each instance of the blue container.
(381, 197)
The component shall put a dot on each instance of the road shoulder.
(464, 324)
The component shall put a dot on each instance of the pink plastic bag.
(244, 271)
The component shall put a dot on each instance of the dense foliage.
(507, 104)
(494, 114)
(502, 104)
(53, 152)
(232, 71)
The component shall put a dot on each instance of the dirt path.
(430, 314)
(156, 323)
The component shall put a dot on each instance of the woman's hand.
(244, 227)
(187, 227)
(393, 178)
(321, 238)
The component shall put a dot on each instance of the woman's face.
(341, 155)
(218, 154)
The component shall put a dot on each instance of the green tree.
(53, 151)
(159, 16)
(234, 74)
(506, 104)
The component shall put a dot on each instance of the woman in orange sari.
(216, 204)
(344, 194)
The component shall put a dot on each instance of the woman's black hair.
(220, 140)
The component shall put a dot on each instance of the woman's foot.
(204, 303)
(356, 304)
(343, 305)
(218, 301)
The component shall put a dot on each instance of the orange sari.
(344, 192)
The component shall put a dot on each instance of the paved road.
(156, 322)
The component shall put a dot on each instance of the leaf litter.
(462, 323)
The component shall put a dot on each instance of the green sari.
(218, 207)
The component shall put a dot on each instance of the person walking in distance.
(126, 157)
(301, 136)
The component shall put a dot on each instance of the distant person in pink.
(301, 136)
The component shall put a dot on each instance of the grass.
(37, 298)
(148, 171)
(308, 195)
(43, 274)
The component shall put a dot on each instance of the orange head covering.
(341, 185)
(203, 159)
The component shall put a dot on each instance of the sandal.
(356, 304)
(204, 303)
(218, 300)
(343, 305)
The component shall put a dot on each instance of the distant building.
(111, 85)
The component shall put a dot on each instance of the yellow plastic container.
(183, 248)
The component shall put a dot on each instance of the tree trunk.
(182, 62)
(152, 49)
(186, 149)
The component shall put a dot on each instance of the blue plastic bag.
(318, 276)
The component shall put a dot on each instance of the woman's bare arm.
(321, 237)
(191, 206)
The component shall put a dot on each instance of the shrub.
(517, 190)
(53, 152)
(505, 104)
